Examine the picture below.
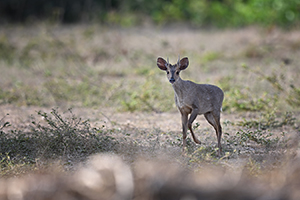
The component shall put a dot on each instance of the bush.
(221, 13)
(57, 136)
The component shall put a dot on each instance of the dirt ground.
(166, 121)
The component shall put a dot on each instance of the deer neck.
(179, 88)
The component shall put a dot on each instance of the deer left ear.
(184, 63)
(161, 63)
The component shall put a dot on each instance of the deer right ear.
(184, 63)
(161, 63)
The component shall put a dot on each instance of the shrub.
(57, 136)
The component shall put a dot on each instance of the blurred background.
(219, 13)
(92, 52)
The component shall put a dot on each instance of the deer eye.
(168, 72)
(177, 72)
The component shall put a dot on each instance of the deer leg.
(214, 120)
(184, 120)
(190, 122)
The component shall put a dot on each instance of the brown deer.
(194, 99)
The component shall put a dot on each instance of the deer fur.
(194, 99)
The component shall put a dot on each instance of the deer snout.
(172, 80)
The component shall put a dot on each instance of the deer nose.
(172, 80)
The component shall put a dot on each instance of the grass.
(52, 68)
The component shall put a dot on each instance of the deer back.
(204, 97)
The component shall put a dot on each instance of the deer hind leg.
(214, 120)
(190, 122)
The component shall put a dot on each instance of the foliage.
(227, 13)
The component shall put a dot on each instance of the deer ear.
(161, 63)
(184, 63)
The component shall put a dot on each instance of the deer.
(194, 99)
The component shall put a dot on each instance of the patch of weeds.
(16, 148)
(21, 95)
(289, 91)
(7, 96)
(204, 154)
(243, 100)
(149, 96)
(10, 166)
(259, 132)
(131, 104)
(269, 120)
(293, 98)
(175, 142)
(243, 140)
(84, 92)
(49, 48)
(55, 137)
(6, 161)
(70, 136)
(59, 89)
(227, 122)
(258, 136)
(31, 96)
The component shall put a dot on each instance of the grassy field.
(68, 92)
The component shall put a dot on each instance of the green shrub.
(226, 13)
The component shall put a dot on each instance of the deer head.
(173, 70)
